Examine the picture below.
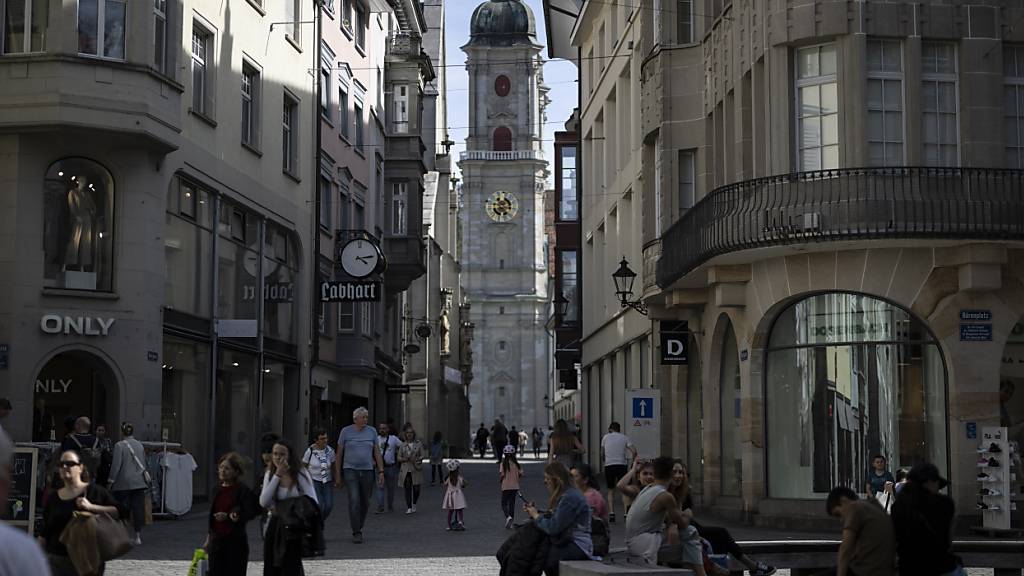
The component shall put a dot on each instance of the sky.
(559, 75)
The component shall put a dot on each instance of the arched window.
(78, 225)
(502, 139)
(850, 376)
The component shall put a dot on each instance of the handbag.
(145, 473)
(112, 538)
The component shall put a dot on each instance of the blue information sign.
(643, 407)
(972, 430)
(975, 315)
(975, 332)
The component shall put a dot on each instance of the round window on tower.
(502, 85)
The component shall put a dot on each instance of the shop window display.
(850, 376)
(184, 400)
(1011, 394)
(78, 225)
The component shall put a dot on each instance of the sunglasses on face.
(67, 464)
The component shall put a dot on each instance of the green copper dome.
(502, 23)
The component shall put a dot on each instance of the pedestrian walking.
(564, 446)
(923, 521)
(233, 504)
(569, 524)
(481, 440)
(499, 438)
(77, 494)
(523, 439)
(454, 500)
(387, 444)
(129, 479)
(617, 451)
(285, 481)
(437, 449)
(410, 474)
(19, 553)
(358, 456)
(868, 546)
(106, 449)
(267, 441)
(538, 442)
(513, 439)
(509, 473)
(85, 443)
(319, 460)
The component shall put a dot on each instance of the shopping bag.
(200, 563)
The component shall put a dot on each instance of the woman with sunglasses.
(76, 493)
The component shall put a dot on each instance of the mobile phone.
(521, 497)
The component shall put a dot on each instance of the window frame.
(326, 216)
(818, 81)
(684, 17)
(289, 135)
(26, 30)
(686, 158)
(359, 22)
(254, 99)
(344, 328)
(101, 32)
(941, 78)
(399, 208)
(206, 98)
(344, 119)
(572, 315)
(562, 177)
(400, 97)
(883, 76)
(1014, 81)
(357, 111)
(160, 60)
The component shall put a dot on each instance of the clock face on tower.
(502, 85)
(502, 206)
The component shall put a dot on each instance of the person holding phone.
(234, 504)
(568, 523)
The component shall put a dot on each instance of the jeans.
(324, 496)
(508, 503)
(390, 482)
(359, 485)
(135, 502)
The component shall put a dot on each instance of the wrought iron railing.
(845, 204)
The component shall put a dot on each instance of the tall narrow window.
(292, 15)
(326, 194)
(358, 111)
(200, 70)
(325, 94)
(366, 316)
(684, 21)
(160, 35)
(399, 208)
(346, 316)
(568, 206)
(343, 117)
(570, 289)
(250, 105)
(401, 108)
(24, 26)
(885, 103)
(1013, 90)
(687, 179)
(502, 139)
(940, 134)
(101, 28)
(359, 22)
(289, 142)
(657, 187)
(346, 16)
(817, 108)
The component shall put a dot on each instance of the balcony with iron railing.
(502, 155)
(843, 205)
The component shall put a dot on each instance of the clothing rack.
(161, 447)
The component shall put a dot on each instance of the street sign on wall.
(643, 421)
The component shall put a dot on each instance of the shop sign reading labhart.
(350, 291)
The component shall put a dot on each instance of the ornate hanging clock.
(502, 206)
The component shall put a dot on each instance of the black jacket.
(299, 519)
(246, 504)
(525, 552)
(923, 523)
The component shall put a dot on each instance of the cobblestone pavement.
(395, 543)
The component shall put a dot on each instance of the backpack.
(599, 536)
(91, 456)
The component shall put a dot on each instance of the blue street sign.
(972, 430)
(643, 407)
(975, 332)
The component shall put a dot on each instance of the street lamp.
(624, 278)
(561, 304)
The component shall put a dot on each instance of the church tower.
(503, 244)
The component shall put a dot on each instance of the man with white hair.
(358, 454)
(19, 554)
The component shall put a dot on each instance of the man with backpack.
(86, 444)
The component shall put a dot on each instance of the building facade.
(504, 173)
(157, 205)
(831, 217)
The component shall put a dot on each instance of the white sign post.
(643, 421)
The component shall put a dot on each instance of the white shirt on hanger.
(178, 470)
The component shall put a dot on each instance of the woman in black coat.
(234, 504)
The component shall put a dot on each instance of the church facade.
(504, 257)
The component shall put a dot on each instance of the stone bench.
(593, 568)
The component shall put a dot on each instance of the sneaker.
(764, 570)
(138, 540)
(994, 448)
(448, 528)
(993, 463)
(460, 527)
(357, 538)
(413, 508)
(508, 522)
(982, 462)
(982, 506)
(989, 492)
(982, 476)
(611, 518)
(408, 510)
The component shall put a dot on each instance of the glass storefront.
(185, 400)
(234, 413)
(188, 249)
(729, 379)
(1011, 395)
(850, 376)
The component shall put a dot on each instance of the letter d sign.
(673, 348)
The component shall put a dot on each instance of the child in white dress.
(454, 500)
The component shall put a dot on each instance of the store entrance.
(70, 385)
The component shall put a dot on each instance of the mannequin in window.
(80, 252)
